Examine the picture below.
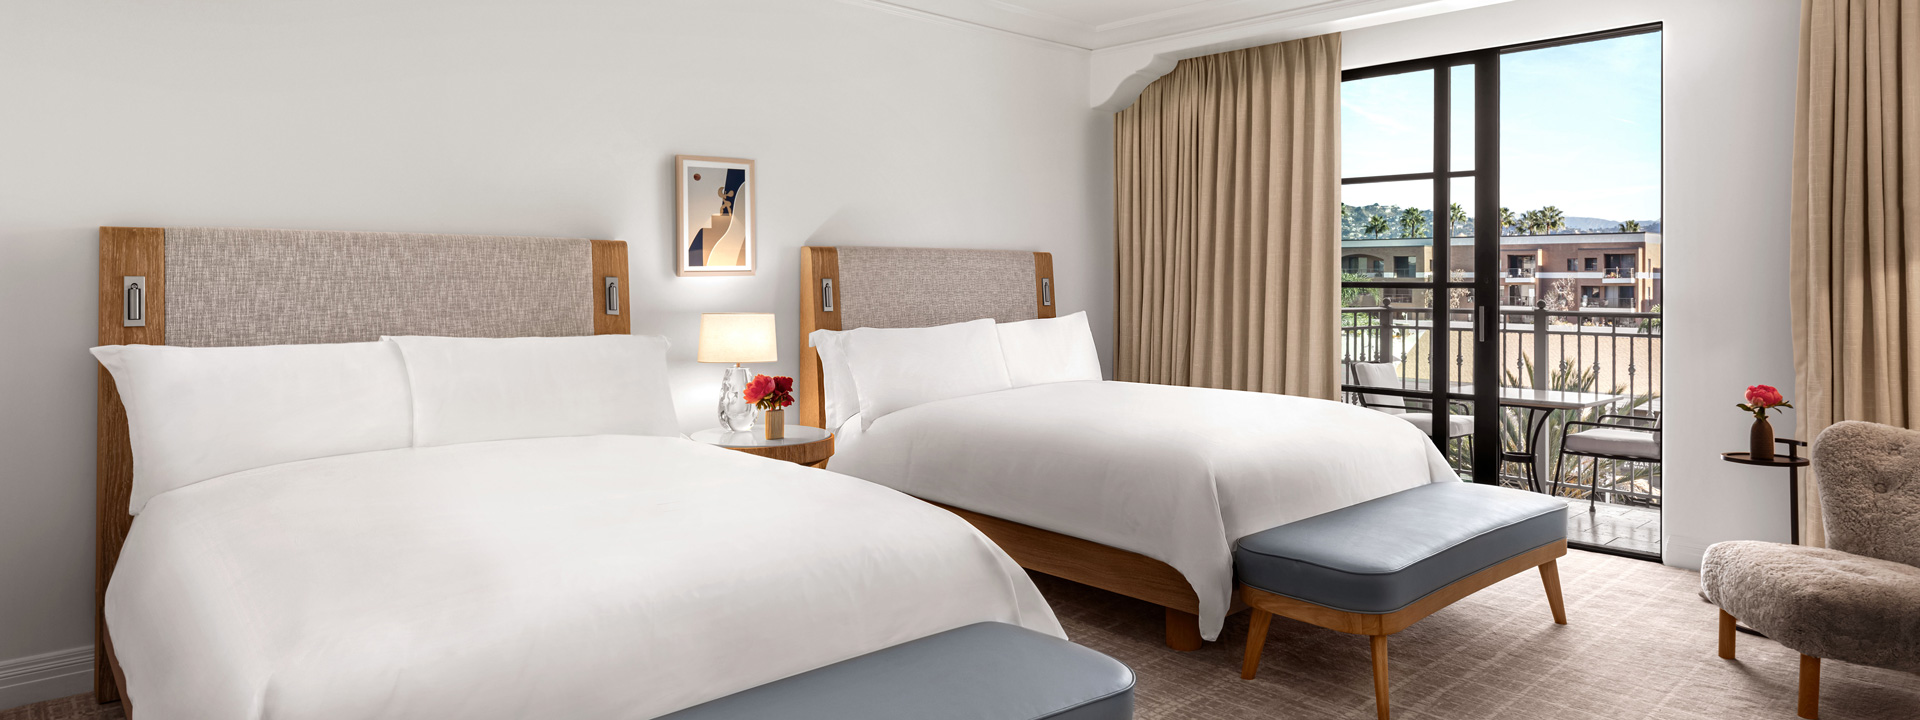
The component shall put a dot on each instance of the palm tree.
(1412, 222)
(1457, 220)
(1376, 226)
(1630, 226)
(1532, 222)
(1508, 221)
(1552, 219)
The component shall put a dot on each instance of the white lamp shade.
(737, 338)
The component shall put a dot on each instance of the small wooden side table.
(809, 446)
(1792, 462)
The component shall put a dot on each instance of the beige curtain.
(1227, 220)
(1855, 272)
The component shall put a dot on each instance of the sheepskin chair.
(1857, 600)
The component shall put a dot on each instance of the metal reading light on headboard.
(133, 301)
(826, 294)
(1046, 292)
(612, 295)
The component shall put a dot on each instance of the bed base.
(1103, 566)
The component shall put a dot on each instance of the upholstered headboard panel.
(273, 287)
(909, 287)
(854, 287)
(223, 287)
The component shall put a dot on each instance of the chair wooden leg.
(1550, 576)
(1380, 676)
(1810, 687)
(1183, 630)
(1256, 640)
(1727, 635)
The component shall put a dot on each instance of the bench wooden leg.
(1380, 675)
(1183, 630)
(1550, 576)
(1810, 687)
(1256, 641)
(1727, 635)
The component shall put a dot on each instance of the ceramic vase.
(1760, 441)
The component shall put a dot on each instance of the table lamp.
(737, 338)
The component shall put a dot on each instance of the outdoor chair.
(1632, 438)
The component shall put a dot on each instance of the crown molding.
(936, 18)
(1360, 7)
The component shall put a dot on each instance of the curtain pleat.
(1226, 223)
(1855, 266)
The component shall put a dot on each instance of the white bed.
(1173, 473)
(595, 577)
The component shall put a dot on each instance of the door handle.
(1480, 324)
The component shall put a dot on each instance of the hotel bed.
(1139, 489)
(302, 551)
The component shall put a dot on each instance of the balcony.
(1520, 272)
(1619, 273)
(1613, 351)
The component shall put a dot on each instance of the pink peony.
(1764, 396)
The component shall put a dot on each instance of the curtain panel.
(1227, 222)
(1855, 265)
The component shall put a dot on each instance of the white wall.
(1728, 126)
(505, 117)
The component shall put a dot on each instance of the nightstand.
(809, 446)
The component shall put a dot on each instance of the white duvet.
(1174, 473)
(603, 577)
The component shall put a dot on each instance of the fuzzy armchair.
(1856, 601)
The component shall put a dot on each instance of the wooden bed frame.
(141, 252)
(1064, 556)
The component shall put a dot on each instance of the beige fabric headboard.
(272, 287)
(842, 288)
(221, 287)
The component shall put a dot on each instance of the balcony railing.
(1616, 273)
(1609, 303)
(1520, 272)
(1610, 352)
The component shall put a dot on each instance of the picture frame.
(715, 235)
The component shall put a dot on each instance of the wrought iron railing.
(1608, 352)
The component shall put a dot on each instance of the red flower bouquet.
(1761, 398)
(770, 393)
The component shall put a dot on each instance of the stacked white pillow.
(877, 371)
(194, 414)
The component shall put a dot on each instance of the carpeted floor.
(1640, 645)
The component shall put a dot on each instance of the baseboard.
(28, 680)
(1683, 552)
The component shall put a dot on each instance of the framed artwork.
(716, 216)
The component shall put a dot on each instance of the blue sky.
(1580, 129)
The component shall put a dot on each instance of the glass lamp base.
(735, 414)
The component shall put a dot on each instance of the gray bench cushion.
(1381, 555)
(987, 671)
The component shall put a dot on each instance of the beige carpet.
(1640, 645)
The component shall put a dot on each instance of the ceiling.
(1100, 24)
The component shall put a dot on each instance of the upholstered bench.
(1378, 567)
(986, 671)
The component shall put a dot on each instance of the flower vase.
(1760, 441)
(776, 424)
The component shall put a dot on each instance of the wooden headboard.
(220, 286)
(842, 288)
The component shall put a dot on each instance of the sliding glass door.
(1416, 162)
(1500, 331)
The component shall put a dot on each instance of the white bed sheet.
(602, 577)
(1174, 473)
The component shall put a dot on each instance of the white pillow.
(841, 398)
(478, 389)
(195, 414)
(896, 369)
(1049, 350)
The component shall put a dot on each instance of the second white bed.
(1177, 474)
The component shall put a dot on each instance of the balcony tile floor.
(1634, 529)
